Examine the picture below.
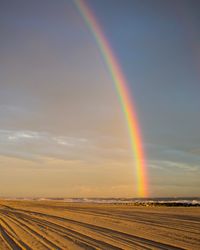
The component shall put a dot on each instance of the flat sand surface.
(58, 225)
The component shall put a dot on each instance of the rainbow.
(123, 93)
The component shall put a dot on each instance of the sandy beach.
(59, 225)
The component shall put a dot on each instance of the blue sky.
(61, 122)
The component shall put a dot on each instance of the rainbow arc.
(123, 92)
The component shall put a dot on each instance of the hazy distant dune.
(60, 225)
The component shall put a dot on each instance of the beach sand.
(59, 225)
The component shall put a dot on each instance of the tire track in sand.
(130, 240)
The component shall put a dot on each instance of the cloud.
(195, 151)
(69, 141)
(180, 156)
(21, 135)
(34, 145)
(169, 165)
(39, 146)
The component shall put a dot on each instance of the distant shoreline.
(147, 202)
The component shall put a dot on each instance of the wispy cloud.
(17, 136)
(36, 145)
(69, 141)
(195, 151)
(169, 165)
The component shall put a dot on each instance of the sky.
(62, 128)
